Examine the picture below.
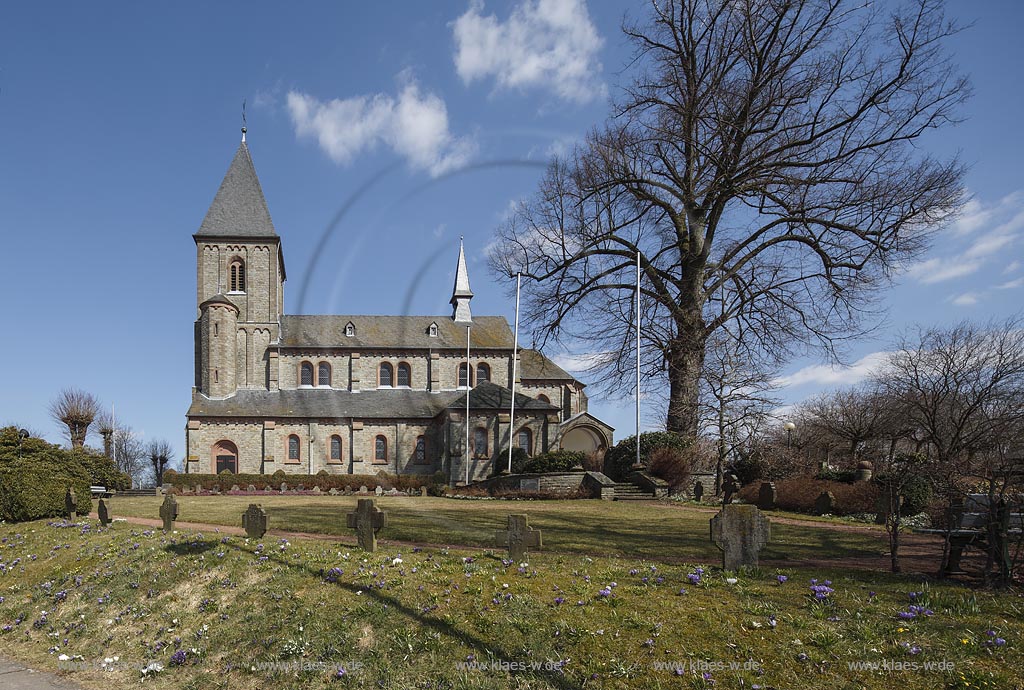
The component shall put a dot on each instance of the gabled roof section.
(534, 365)
(239, 209)
(393, 332)
(491, 396)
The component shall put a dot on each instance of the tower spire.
(461, 294)
(243, 120)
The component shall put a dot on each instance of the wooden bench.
(972, 524)
(100, 492)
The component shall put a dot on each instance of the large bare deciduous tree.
(76, 410)
(159, 452)
(765, 163)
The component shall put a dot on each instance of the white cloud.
(966, 300)
(831, 375)
(1012, 267)
(583, 362)
(550, 44)
(938, 270)
(414, 125)
(1010, 285)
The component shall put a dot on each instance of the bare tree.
(130, 454)
(851, 416)
(764, 164)
(736, 399)
(159, 452)
(106, 425)
(962, 391)
(75, 409)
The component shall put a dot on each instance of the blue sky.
(118, 121)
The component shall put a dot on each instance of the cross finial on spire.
(243, 120)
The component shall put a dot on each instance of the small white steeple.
(461, 294)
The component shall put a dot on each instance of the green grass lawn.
(613, 528)
(215, 610)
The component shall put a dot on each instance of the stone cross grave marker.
(698, 490)
(740, 531)
(825, 503)
(367, 520)
(254, 520)
(169, 512)
(730, 488)
(767, 496)
(103, 513)
(518, 537)
(69, 504)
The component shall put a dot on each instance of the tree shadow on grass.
(483, 647)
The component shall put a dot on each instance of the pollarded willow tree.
(765, 164)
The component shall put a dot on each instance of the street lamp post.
(789, 426)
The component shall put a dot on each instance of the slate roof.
(393, 332)
(534, 365)
(325, 403)
(491, 396)
(371, 404)
(239, 208)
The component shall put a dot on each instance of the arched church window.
(480, 442)
(544, 399)
(323, 374)
(464, 379)
(421, 449)
(404, 375)
(350, 329)
(293, 448)
(483, 373)
(306, 374)
(387, 374)
(525, 440)
(237, 276)
(336, 448)
(380, 449)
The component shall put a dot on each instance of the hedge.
(34, 476)
(552, 461)
(101, 469)
(799, 495)
(326, 482)
(618, 461)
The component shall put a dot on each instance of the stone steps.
(135, 493)
(624, 491)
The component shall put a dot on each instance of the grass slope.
(213, 610)
(614, 528)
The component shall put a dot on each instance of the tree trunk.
(685, 358)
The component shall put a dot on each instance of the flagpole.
(638, 465)
(515, 358)
(468, 389)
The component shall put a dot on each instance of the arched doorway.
(225, 457)
(585, 440)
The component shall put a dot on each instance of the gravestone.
(254, 520)
(70, 511)
(698, 490)
(363, 490)
(518, 537)
(883, 505)
(199, 489)
(767, 496)
(825, 503)
(730, 487)
(378, 491)
(250, 489)
(234, 487)
(169, 512)
(316, 489)
(347, 491)
(103, 513)
(394, 492)
(333, 491)
(740, 531)
(367, 520)
(423, 492)
(284, 487)
(529, 484)
(300, 487)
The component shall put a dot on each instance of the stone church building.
(355, 394)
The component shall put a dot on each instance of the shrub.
(519, 458)
(799, 495)
(34, 475)
(554, 461)
(618, 462)
(833, 475)
(672, 465)
(101, 470)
